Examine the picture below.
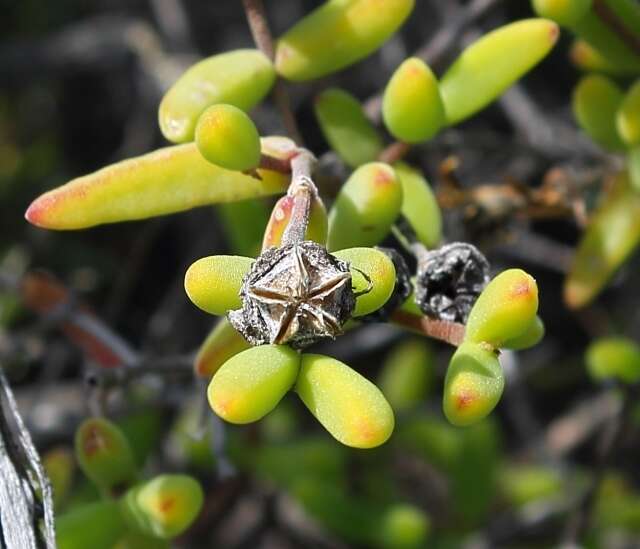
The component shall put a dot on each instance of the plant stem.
(303, 190)
(616, 25)
(257, 19)
(394, 152)
(449, 332)
(282, 165)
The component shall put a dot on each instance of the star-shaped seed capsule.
(295, 294)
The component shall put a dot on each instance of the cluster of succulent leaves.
(606, 105)
(130, 512)
(217, 159)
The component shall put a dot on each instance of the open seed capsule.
(105, 456)
(412, 108)
(227, 137)
(165, 181)
(164, 506)
(337, 34)
(347, 405)
(505, 309)
(213, 283)
(614, 358)
(365, 208)
(241, 78)
(494, 62)
(596, 100)
(250, 384)
(346, 128)
(473, 385)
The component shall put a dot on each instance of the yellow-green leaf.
(221, 344)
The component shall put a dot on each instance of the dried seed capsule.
(172, 179)
(221, 344)
(612, 235)
(346, 128)
(401, 289)
(412, 108)
(297, 294)
(596, 100)
(227, 137)
(373, 278)
(505, 309)
(337, 34)
(104, 454)
(163, 507)
(404, 526)
(449, 280)
(347, 405)
(563, 12)
(250, 384)
(628, 116)
(530, 337)
(281, 215)
(614, 358)
(473, 384)
(212, 282)
(91, 525)
(365, 208)
(419, 205)
(407, 374)
(494, 62)
(241, 78)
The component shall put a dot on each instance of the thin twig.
(449, 332)
(616, 25)
(257, 19)
(394, 152)
(303, 190)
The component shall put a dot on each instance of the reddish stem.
(449, 332)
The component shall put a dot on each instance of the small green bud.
(473, 384)
(346, 128)
(163, 507)
(281, 216)
(505, 309)
(613, 233)
(614, 358)
(419, 205)
(227, 137)
(596, 100)
(104, 454)
(221, 344)
(213, 283)
(92, 525)
(241, 78)
(530, 337)
(250, 384)
(404, 527)
(628, 116)
(563, 12)
(412, 108)
(493, 63)
(347, 405)
(365, 208)
(380, 271)
(336, 35)
(407, 374)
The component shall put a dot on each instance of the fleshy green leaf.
(346, 128)
(165, 181)
(493, 63)
(412, 108)
(628, 116)
(522, 483)
(250, 384)
(530, 337)
(473, 385)
(347, 405)
(221, 344)
(281, 215)
(213, 283)
(613, 233)
(563, 12)
(337, 34)
(404, 526)
(92, 525)
(59, 466)
(596, 100)
(614, 358)
(365, 208)
(633, 167)
(587, 58)
(241, 77)
(504, 310)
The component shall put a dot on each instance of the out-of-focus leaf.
(614, 358)
(94, 525)
(563, 12)
(223, 342)
(628, 116)
(244, 224)
(587, 58)
(165, 181)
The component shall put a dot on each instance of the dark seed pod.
(449, 280)
(295, 294)
(401, 290)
